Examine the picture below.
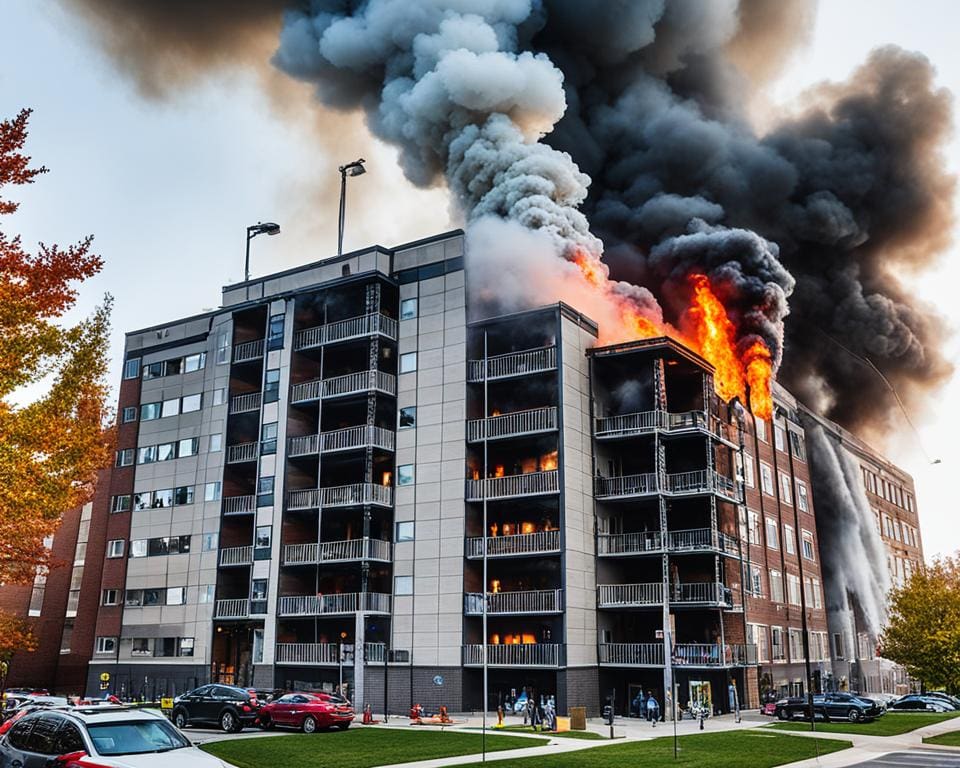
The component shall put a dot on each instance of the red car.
(307, 711)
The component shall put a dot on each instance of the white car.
(100, 737)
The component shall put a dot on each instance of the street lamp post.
(350, 169)
(260, 228)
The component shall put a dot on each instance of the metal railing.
(701, 481)
(245, 403)
(336, 551)
(631, 654)
(349, 602)
(511, 655)
(307, 653)
(238, 608)
(614, 595)
(239, 505)
(625, 485)
(340, 496)
(709, 592)
(236, 556)
(513, 364)
(509, 486)
(375, 653)
(629, 543)
(248, 350)
(533, 601)
(528, 422)
(237, 454)
(348, 384)
(356, 437)
(342, 330)
(714, 655)
(538, 543)
(639, 423)
(304, 445)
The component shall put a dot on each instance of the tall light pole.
(260, 228)
(350, 169)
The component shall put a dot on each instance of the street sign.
(104, 677)
(438, 680)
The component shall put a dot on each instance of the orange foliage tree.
(53, 389)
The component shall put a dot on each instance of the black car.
(225, 705)
(829, 706)
(915, 702)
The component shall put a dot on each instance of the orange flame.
(758, 364)
(715, 337)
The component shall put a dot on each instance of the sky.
(168, 186)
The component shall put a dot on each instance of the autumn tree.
(923, 632)
(52, 387)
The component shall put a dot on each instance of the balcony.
(332, 605)
(513, 364)
(232, 609)
(248, 351)
(340, 496)
(529, 422)
(629, 424)
(702, 481)
(639, 543)
(245, 403)
(347, 439)
(344, 330)
(307, 653)
(239, 505)
(711, 594)
(652, 542)
(647, 422)
(539, 543)
(514, 486)
(515, 655)
(337, 552)
(631, 654)
(234, 556)
(702, 540)
(714, 655)
(514, 603)
(243, 452)
(357, 383)
(626, 486)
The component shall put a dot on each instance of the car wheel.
(854, 715)
(180, 719)
(782, 714)
(229, 722)
(309, 724)
(266, 723)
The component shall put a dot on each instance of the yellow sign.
(166, 703)
(104, 677)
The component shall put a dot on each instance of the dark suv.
(225, 705)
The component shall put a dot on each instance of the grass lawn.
(585, 735)
(754, 748)
(891, 724)
(358, 748)
(950, 739)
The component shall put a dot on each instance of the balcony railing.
(307, 653)
(342, 440)
(629, 543)
(340, 496)
(375, 653)
(322, 605)
(513, 364)
(343, 330)
(340, 386)
(515, 655)
(512, 486)
(236, 556)
(237, 454)
(629, 595)
(701, 481)
(625, 486)
(631, 654)
(239, 505)
(232, 609)
(714, 655)
(245, 403)
(337, 551)
(701, 539)
(689, 540)
(539, 543)
(529, 422)
(513, 603)
(248, 350)
(628, 424)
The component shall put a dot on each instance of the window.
(223, 347)
(756, 580)
(188, 447)
(405, 475)
(403, 585)
(211, 491)
(170, 408)
(761, 428)
(219, 396)
(110, 597)
(106, 645)
(785, 495)
(263, 537)
(754, 530)
(176, 595)
(142, 500)
(125, 457)
(153, 371)
(796, 446)
(271, 387)
(131, 369)
(748, 472)
(268, 439)
(150, 411)
(807, 545)
(265, 491)
(275, 332)
(185, 647)
(802, 501)
(408, 417)
(191, 403)
(66, 638)
(788, 540)
(165, 646)
(837, 645)
(120, 503)
(404, 531)
(766, 478)
(258, 596)
(771, 531)
(817, 594)
(129, 414)
(795, 637)
(408, 362)
(147, 455)
(408, 309)
(776, 586)
(141, 647)
(134, 598)
(207, 593)
(776, 644)
(793, 589)
(779, 437)
(216, 443)
(163, 498)
(209, 542)
(194, 362)
(115, 548)
(138, 548)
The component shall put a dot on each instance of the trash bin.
(578, 718)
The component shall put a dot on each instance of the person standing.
(653, 708)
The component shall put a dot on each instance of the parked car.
(915, 702)
(829, 706)
(99, 738)
(944, 697)
(229, 707)
(22, 711)
(306, 711)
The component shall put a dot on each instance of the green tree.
(923, 632)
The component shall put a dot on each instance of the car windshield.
(135, 738)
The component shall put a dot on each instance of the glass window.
(163, 498)
(191, 403)
(150, 411)
(754, 530)
(216, 443)
(131, 369)
(142, 500)
(275, 332)
(405, 474)
(141, 647)
(408, 417)
(779, 437)
(69, 740)
(796, 446)
(186, 647)
(120, 503)
(153, 371)
(776, 587)
(152, 597)
(125, 457)
(808, 545)
(129, 414)
(258, 590)
(173, 367)
(223, 347)
(106, 645)
(211, 491)
(766, 478)
(408, 362)
(771, 529)
(802, 501)
(403, 585)
(271, 387)
(405, 531)
(176, 595)
(207, 593)
(138, 548)
(189, 447)
(785, 495)
(268, 439)
(147, 455)
(262, 540)
(265, 491)
(115, 548)
(210, 542)
(157, 547)
(219, 396)
(182, 545)
(761, 428)
(110, 597)
(194, 362)
(134, 598)
(408, 309)
(183, 495)
(788, 540)
(170, 408)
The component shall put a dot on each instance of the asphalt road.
(915, 758)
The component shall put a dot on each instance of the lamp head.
(263, 228)
(354, 169)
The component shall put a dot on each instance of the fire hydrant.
(416, 714)
(367, 715)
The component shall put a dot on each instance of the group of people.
(645, 705)
(542, 713)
